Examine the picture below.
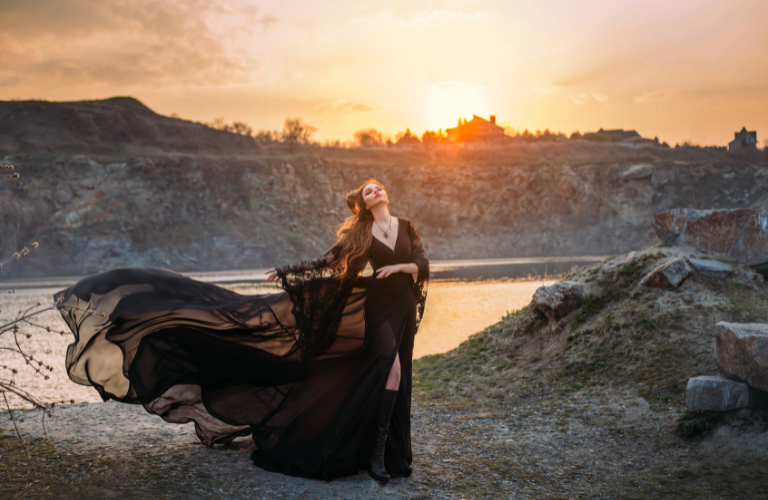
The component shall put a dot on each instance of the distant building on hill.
(618, 134)
(628, 138)
(477, 130)
(743, 140)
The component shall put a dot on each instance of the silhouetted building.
(743, 140)
(476, 130)
(619, 134)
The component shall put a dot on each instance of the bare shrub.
(369, 138)
(24, 318)
(266, 137)
(295, 132)
(239, 128)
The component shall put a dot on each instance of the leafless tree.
(295, 132)
(266, 137)
(430, 137)
(406, 138)
(369, 138)
(218, 123)
(24, 318)
(239, 128)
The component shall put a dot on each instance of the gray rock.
(712, 268)
(669, 275)
(738, 233)
(637, 172)
(741, 351)
(716, 394)
(559, 299)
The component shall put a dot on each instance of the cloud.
(649, 96)
(8, 80)
(590, 75)
(579, 99)
(268, 19)
(342, 106)
(419, 18)
(547, 89)
(130, 42)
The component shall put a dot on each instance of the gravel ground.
(608, 445)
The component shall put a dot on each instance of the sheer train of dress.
(302, 370)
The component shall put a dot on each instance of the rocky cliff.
(212, 210)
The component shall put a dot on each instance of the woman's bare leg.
(393, 380)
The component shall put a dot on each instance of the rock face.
(637, 172)
(559, 299)
(669, 275)
(738, 233)
(741, 351)
(712, 268)
(112, 184)
(717, 394)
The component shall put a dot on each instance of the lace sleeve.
(419, 257)
(308, 265)
(318, 296)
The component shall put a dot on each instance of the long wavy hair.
(355, 235)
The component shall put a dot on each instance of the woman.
(319, 375)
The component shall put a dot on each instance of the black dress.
(302, 370)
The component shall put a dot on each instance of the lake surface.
(464, 298)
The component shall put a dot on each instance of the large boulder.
(559, 299)
(668, 275)
(718, 394)
(712, 268)
(741, 351)
(739, 233)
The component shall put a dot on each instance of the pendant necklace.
(386, 233)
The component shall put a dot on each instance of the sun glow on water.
(451, 100)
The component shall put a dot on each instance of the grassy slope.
(120, 125)
(623, 337)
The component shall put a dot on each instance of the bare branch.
(4, 328)
(6, 385)
(13, 420)
(21, 253)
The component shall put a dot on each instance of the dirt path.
(173, 462)
(607, 445)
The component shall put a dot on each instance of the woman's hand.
(272, 275)
(389, 270)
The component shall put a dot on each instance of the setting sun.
(451, 100)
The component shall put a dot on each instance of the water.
(464, 298)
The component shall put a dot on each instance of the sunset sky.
(677, 69)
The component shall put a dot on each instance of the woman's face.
(374, 194)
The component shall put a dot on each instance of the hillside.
(223, 208)
(625, 335)
(120, 125)
(593, 405)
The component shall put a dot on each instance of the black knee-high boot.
(376, 468)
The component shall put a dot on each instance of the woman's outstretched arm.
(323, 261)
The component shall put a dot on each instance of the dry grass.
(623, 336)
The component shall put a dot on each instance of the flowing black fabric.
(302, 370)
